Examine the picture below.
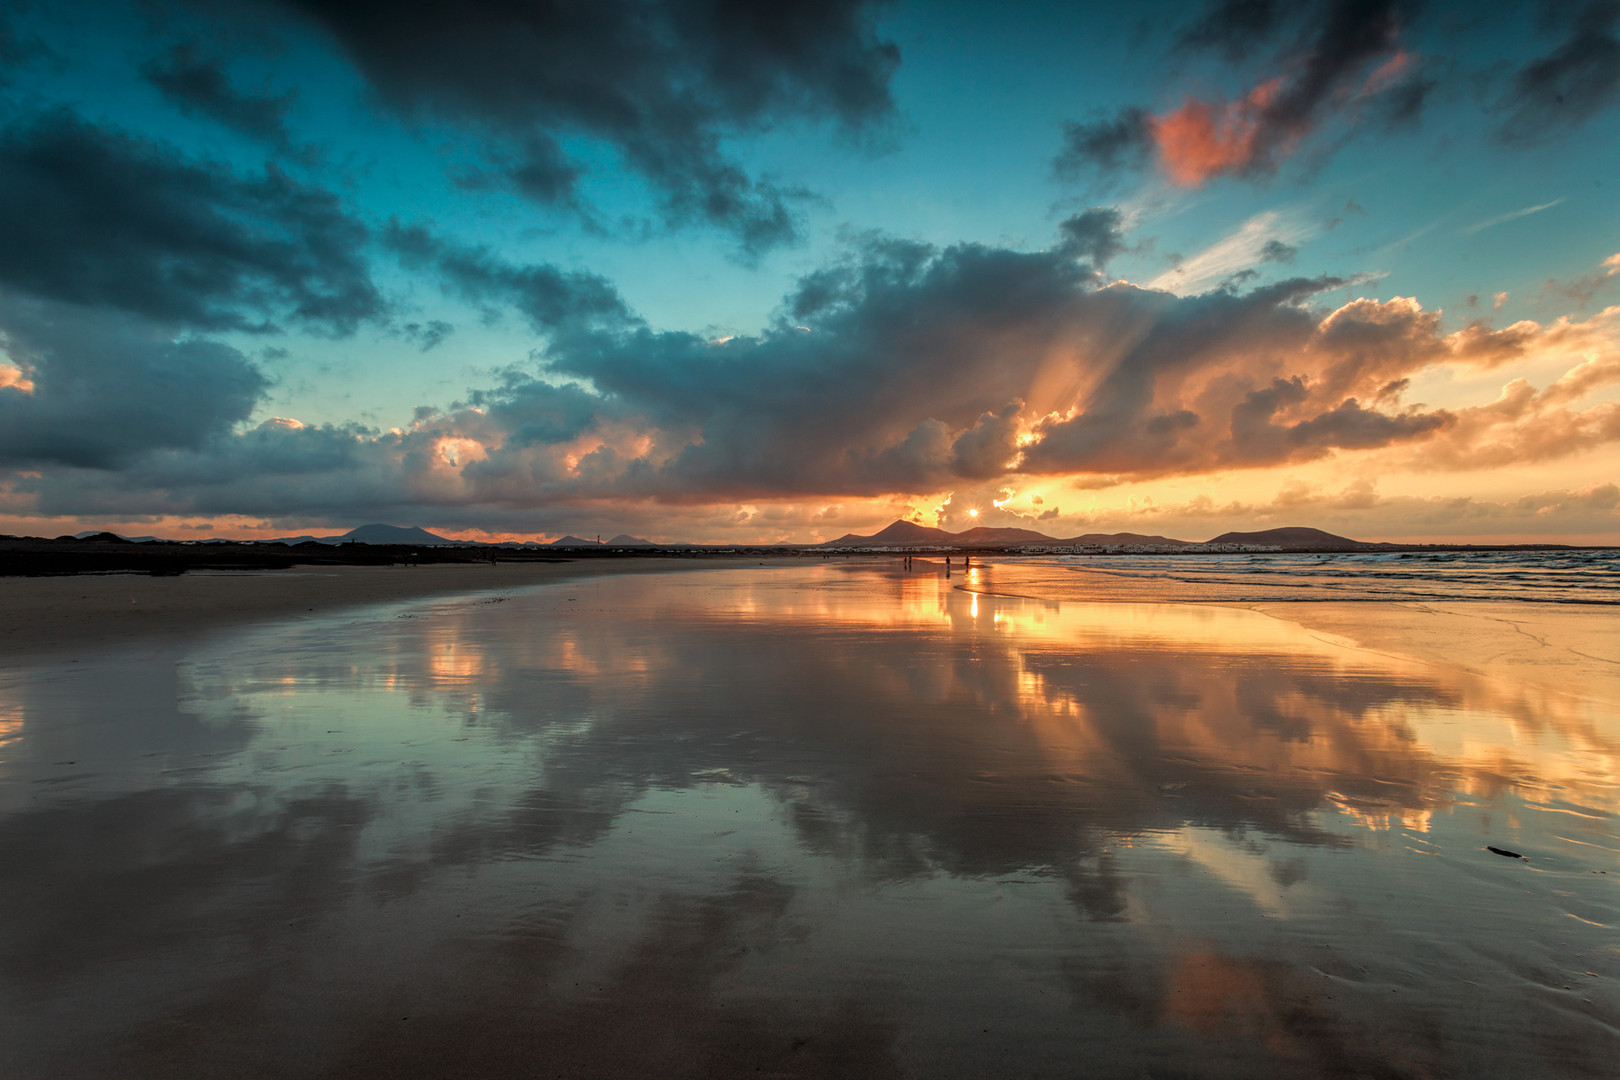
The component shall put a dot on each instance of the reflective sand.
(802, 821)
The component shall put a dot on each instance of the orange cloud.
(13, 378)
(1387, 73)
(1201, 140)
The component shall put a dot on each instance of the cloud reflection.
(698, 799)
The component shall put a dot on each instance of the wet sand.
(816, 820)
(1558, 646)
(79, 614)
(1568, 647)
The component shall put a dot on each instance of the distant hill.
(1291, 539)
(392, 534)
(115, 538)
(900, 534)
(986, 536)
(910, 534)
(373, 534)
(1121, 539)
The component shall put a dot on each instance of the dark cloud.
(551, 299)
(1558, 91)
(904, 368)
(897, 366)
(1347, 53)
(1260, 439)
(1095, 235)
(1581, 289)
(543, 172)
(987, 449)
(198, 86)
(107, 388)
(427, 336)
(901, 369)
(663, 83)
(1350, 36)
(1402, 104)
(1350, 426)
(18, 49)
(97, 217)
(1105, 145)
(1278, 252)
(1234, 27)
(1184, 398)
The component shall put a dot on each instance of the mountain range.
(910, 534)
(402, 535)
(901, 534)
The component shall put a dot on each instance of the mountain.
(900, 534)
(373, 534)
(908, 534)
(391, 534)
(986, 536)
(1291, 539)
(102, 538)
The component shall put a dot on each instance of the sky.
(720, 271)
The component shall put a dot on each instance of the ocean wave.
(1561, 577)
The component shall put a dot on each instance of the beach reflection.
(811, 821)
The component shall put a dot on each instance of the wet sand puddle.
(806, 821)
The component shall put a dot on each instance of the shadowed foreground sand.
(75, 614)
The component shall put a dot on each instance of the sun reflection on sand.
(451, 662)
(11, 728)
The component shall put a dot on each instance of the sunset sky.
(726, 271)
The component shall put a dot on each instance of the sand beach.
(79, 613)
(816, 818)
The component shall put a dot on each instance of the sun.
(973, 513)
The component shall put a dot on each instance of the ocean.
(1574, 576)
